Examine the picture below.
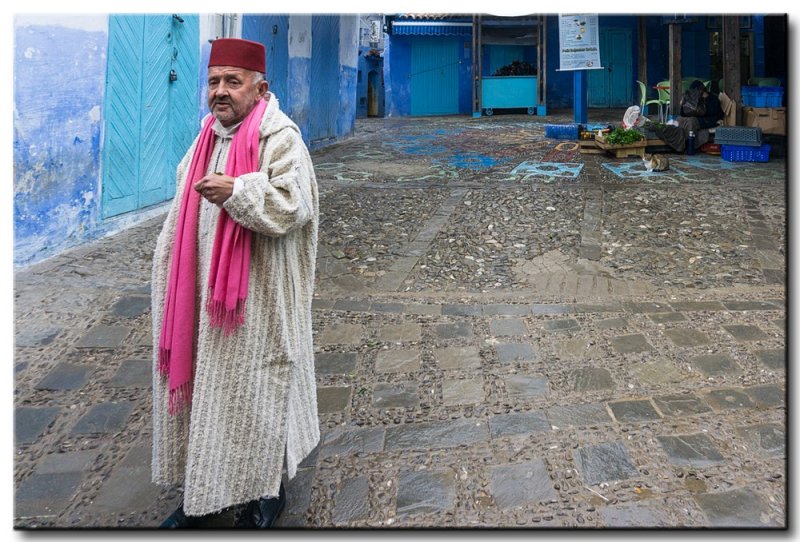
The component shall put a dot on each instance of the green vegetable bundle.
(621, 136)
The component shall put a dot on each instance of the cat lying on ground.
(655, 162)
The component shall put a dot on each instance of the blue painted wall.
(58, 142)
(396, 72)
(273, 32)
(695, 52)
(759, 51)
(465, 76)
(559, 84)
(59, 77)
(289, 41)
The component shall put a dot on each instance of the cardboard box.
(729, 108)
(771, 120)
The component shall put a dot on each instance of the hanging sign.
(579, 42)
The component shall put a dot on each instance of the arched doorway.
(373, 86)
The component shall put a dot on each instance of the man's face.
(232, 93)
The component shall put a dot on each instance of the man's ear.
(263, 87)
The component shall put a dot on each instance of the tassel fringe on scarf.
(230, 262)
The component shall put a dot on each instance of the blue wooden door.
(273, 32)
(613, 85)
(150, 120)
(324, 92)
(598, 80)
(434, 76)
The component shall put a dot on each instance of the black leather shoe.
(179, 520)
(262, 513)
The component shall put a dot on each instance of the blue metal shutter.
(434, 76)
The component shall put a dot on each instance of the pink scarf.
(230, 262)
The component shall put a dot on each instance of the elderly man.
(234, 397)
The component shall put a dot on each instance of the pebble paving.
(493, 348)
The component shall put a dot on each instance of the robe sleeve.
(279, 198)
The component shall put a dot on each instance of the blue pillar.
(759, 52)
(580, 100)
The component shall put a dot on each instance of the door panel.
(123, 99)
(150, 121)
(154, 151)
(324, 76)
(434, 76)
(598, 80)
(272, 31)
(620, 73)
(612, 86)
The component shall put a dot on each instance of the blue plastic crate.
(739, 153)
(762, 96)
(561, 131)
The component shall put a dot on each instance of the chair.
(644, 102)
(663, 95)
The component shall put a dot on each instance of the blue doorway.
(273, 32)
(434, 76)
(150, 108)
(612, 86)
(324, 95)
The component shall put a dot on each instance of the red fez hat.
(239, 53)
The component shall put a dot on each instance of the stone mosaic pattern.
(491, 350)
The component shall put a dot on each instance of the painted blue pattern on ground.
(548, 169)
(432, 145)
(471, 161)
(636, 169)
(706, 161)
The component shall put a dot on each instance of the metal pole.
(544, 63)
(480, 64)
(581, 96)
(675, 92)
(538, 59)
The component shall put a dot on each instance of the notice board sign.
(579, 42)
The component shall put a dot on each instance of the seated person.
(700, 111)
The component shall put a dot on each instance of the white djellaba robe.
(254, 401)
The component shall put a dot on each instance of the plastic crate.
(762, 96)
(750, 136)
(561, 131)
(738, 153)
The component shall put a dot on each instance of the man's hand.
(216, 188)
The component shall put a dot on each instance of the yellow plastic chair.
(644, 102)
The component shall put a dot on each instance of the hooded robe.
(254, 403)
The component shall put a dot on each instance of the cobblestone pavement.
(509, 333)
